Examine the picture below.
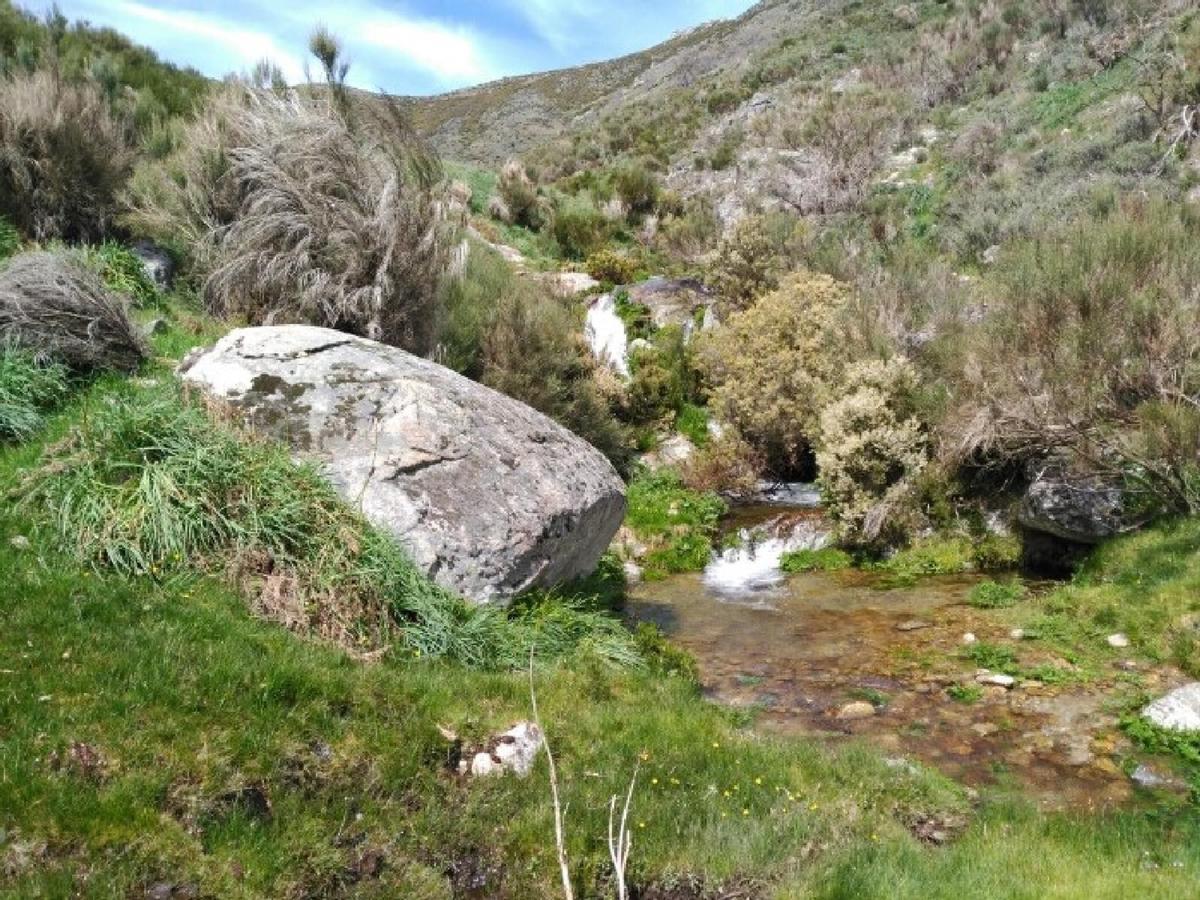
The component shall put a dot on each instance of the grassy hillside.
(160, 741)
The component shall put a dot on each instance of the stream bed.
(847, 655)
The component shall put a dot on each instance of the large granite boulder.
(489, 496)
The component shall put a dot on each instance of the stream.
(847, 655)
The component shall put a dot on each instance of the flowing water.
(605, 334)
(800, 648)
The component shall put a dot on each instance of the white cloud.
(452, 55)
(245, 46)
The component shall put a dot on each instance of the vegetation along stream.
(910, 666)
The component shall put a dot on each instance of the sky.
(401, 46)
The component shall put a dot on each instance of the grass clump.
(965, 693)
(944, 555)
(679, 524)
(10, 240)
(992, 657)
(692, 422)
(145, 484)
(123, 273)
(996, 595)
(29, 387)
(828, 559)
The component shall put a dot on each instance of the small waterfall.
(753, 567)
(605, 334)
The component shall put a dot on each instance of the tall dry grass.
(297, 207)
(63, 157)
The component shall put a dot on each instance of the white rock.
(483, 765)
(1017, 634)
(517, 748)
(19, 542)
(1177, 711)
(1004, 681)
(859, 709)
(633, 572)
(488, 496)
(1119, 641)
(968, 638)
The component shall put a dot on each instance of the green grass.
(29, 388)
(965, 693)
(123, 273)
(10, 241)
(829, 559)
(678, 524)
(692, 422)
(996, 595)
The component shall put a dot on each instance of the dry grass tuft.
(56, 307)
(301, 209)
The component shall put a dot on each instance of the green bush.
(579, 227)
(828, 559)
(996, 595)
(637, 187)
(28, 389)
(992, 657)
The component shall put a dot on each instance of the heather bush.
(871, 452)
(64, 156)
(745, 265)
(579, 227)
(726, 465)
(1089, 348)
(611, 267)
(772, 366)
(518, 195)
(637, 187)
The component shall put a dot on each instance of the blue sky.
(403, 46)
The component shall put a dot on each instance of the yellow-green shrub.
(745, 265)
(870, 451)
(611, 267)
(771, 366)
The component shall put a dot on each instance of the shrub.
(637, 187)
(531, 350)
(53, 305)
(519, 196)
(727, 465)
(303, 209)
(63, 157)
(871, 452)
(1089, 349)
(611, 267)
(995, 595)
(28, 388)
(662, 378)
(579, 227)
(829, 559)
(772, 365)
(745, 265)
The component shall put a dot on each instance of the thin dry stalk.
(621, 842)
(559, 831)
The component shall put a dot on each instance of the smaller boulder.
(1177, 711)
(859, 709)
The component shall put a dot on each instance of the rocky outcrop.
(672, 301)
(489, 497)
(1063, 516)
